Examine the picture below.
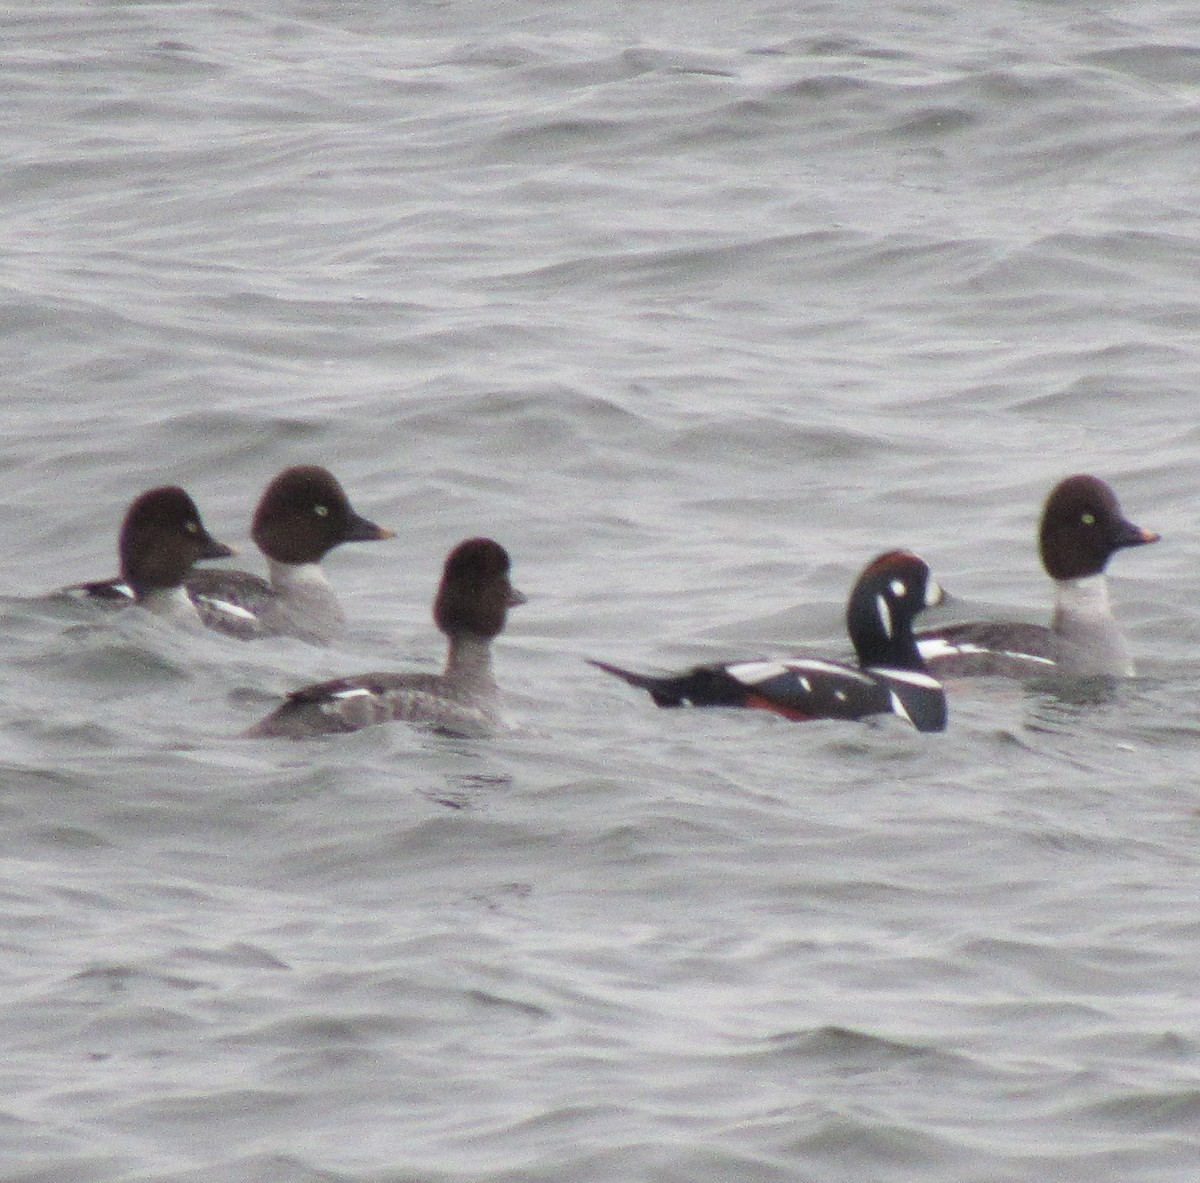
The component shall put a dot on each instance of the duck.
(302, 515)
(470, 609)
(1082, 527)
(161, 536)
(890, 677)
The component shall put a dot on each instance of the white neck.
(297, 578)
(469, 664)
(1083, 618)
(171, 603)
(305, 603)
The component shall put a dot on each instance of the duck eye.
(1088, 519)
(192, 527)
(322, 511)
(899, 589)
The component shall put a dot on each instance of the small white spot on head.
(840, 695)
(899, 588)
(806, 685)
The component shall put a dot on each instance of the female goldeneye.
(890, 677)
(161, 537)
(471, 606)
(302, 515)
(1082, 527)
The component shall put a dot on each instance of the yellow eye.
(192, 527)
(1089, 519)
(322, 511)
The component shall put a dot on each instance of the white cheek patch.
(899, 590)
(933, 594)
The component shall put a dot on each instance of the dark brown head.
(304, 513)
(887, 596)
(1082, 527)
(475, 593)
(161, 537)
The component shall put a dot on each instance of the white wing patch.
(912, 677)
(753, 672)
(814, 666)
(898, 707)
(228, 608)
(933, 648)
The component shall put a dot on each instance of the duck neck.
(899, 653)
(880, 637)
(306, 600)
(171, 603)
(469, 663)
(304, 583)
(1083, 617)
(298, 579)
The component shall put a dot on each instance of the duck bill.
(210, 548)
(362, 530)
(516, 598)
(1132, 535)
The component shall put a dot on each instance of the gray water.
(695, 308)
